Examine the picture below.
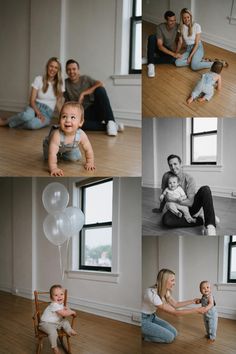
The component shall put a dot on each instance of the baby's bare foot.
(189, 100)
(3, 122)
(73, 333)
(201, 99)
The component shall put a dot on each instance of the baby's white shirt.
(50, 315)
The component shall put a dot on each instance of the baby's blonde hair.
(57, 83)
(76, 105)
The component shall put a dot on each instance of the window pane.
(97, 247)
(137, 48)
(204, 148)
(233, 238)
(138, 9)
(204, 124)
(98, 203)
(233, 263)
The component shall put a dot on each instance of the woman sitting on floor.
(46, 94)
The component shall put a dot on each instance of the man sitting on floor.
(162, 47)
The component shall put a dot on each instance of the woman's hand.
(202, 310)
(197, 301)
(189, 60)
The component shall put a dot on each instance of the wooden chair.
(40, 305)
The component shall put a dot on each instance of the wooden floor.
(225, 209)
(21, 153)
(96, 335)
(190, 339)
(166, 94)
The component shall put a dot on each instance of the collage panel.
(195, 155)
(188, 306)
(188, 56)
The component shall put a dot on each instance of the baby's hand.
(89, 166)
(57, 172)
(197, 301)
(161, 197)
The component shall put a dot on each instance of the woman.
(157, 298)
(46, 94)
(190, 32)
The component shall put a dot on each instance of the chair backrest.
(41, 301)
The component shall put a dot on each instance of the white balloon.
(76, 217)
(55, 197)
(57, 228)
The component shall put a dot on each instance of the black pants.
(99, 113)
(156, 56)
(202, 199)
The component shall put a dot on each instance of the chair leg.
(39, 346)
(68, 344)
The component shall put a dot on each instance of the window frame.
(91, 226)
(192, 135)
(134, 20)
(231, 245)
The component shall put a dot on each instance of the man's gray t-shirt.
(168, 36)
(74, 90)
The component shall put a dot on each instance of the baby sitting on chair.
(52, 317)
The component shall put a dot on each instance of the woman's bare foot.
(3, 122)
(189, 100)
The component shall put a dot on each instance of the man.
(195, 200)
(92, 95)
(162, 48)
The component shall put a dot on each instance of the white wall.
(170, 134)
(29, 261)
(193, 259)
(84, 30)
(210, 14)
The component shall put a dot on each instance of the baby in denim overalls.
(204, 90)
(64, 140)
(211, 316)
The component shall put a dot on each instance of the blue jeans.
(99, 113)
(157, 330)
(196, 63)
(210, 322)
(28, 119)
(156, 56)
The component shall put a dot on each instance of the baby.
(207, 83)
(211, 316)
(176, 191)
(52, 318)
(63, 141)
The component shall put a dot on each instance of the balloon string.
(61, 265)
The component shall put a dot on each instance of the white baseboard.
(120, 313)
(129, 118)
(219, 42)
(12, 106)
(226, 312)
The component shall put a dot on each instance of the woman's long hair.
(161, 281)
(57, 82)
(190, 27)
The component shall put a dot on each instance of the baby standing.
(64, 140)
(211, 316)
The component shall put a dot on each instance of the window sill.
(127, 80)
(93, 276)
(203, 168)
(226, 286)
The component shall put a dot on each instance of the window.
(135, 38)
(231, 278)
(203, 141)
(95, 243)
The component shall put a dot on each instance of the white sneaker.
(120, 127)
(151, 70)
(210, 230)
(112, 128)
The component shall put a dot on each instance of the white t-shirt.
(48, 97)
(50, 315)
(177, 193)
(189, 40)
(150, 301)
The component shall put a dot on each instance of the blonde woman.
(158, 297)
(46, 94)
(190, 33)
